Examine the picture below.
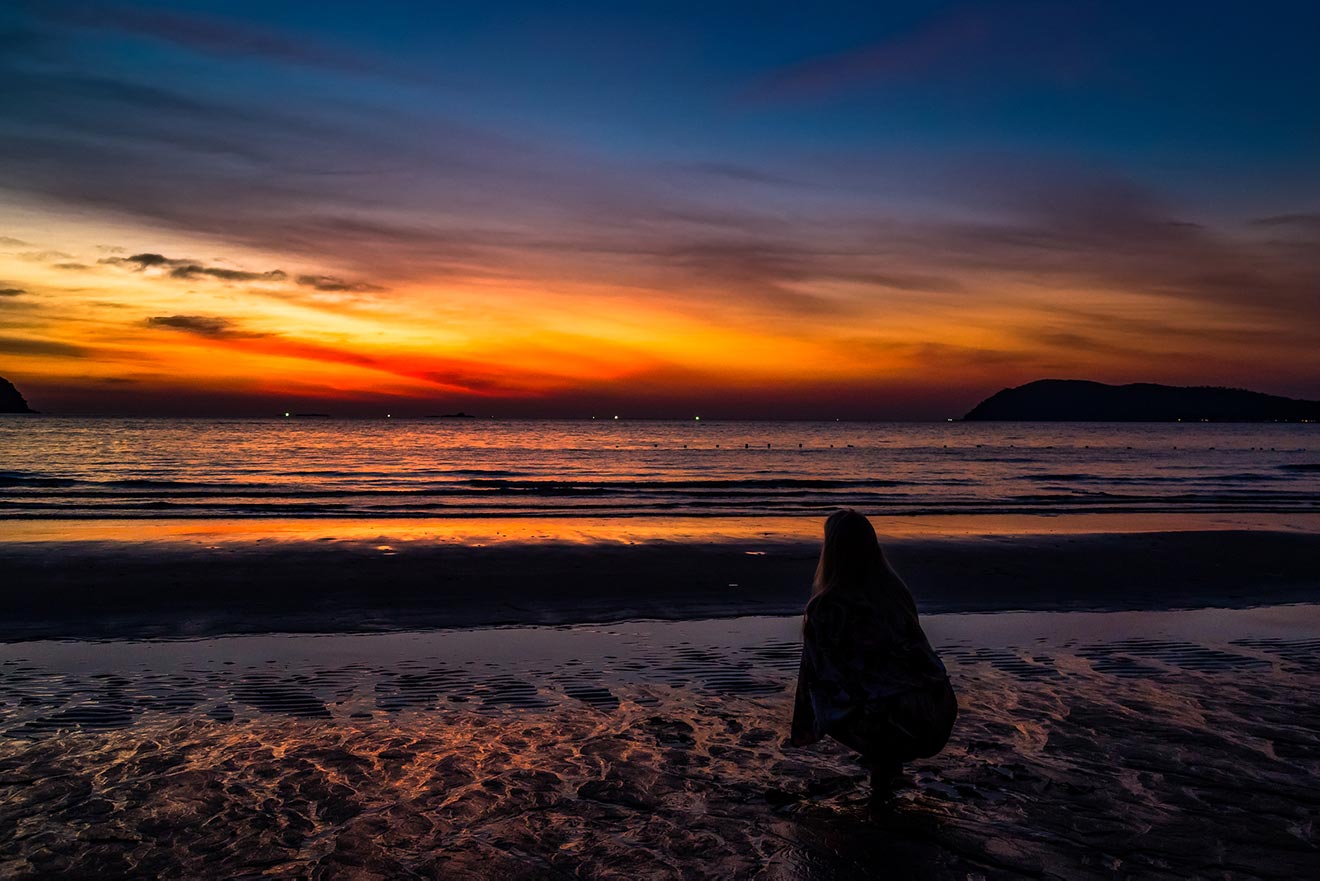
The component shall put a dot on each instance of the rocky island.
(10, 400)
(1076, 400)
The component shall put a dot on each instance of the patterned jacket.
(858, 650)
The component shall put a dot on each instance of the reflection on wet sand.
(1073, 781)
(211, 533)
(611, 752)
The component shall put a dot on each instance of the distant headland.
(1078, 400)
(10, 400)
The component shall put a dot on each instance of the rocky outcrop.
(1076, 400)
(10, 400)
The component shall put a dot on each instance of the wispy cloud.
(202, 325)
(334, 283)
(189, 269)
(962, 40)
(1309, 222)
(1117, 236)
(209, 34)
(28, 345)
(469, 375)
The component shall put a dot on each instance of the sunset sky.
(884, 210)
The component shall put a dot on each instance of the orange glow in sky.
(113, 328)
(867, 212)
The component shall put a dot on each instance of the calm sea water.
(57, 467)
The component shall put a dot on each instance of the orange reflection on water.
(481, 531)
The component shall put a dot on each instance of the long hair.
(853, 566)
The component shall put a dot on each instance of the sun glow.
(111, 328)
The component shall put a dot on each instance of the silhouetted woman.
(869, 677)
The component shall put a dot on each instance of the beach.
(540, 701)
(162, 579)
(1089, 745)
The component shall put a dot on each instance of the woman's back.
(869, 676)
(880, 642)
(855, 652)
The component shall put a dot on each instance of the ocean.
(60, 468)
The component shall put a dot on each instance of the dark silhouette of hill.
(1077, 400)
(10, 400)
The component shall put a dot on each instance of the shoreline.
(179, 586)
(612, 529)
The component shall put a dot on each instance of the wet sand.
(1090, 745)
(138, 580)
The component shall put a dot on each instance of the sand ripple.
(1058, 769)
